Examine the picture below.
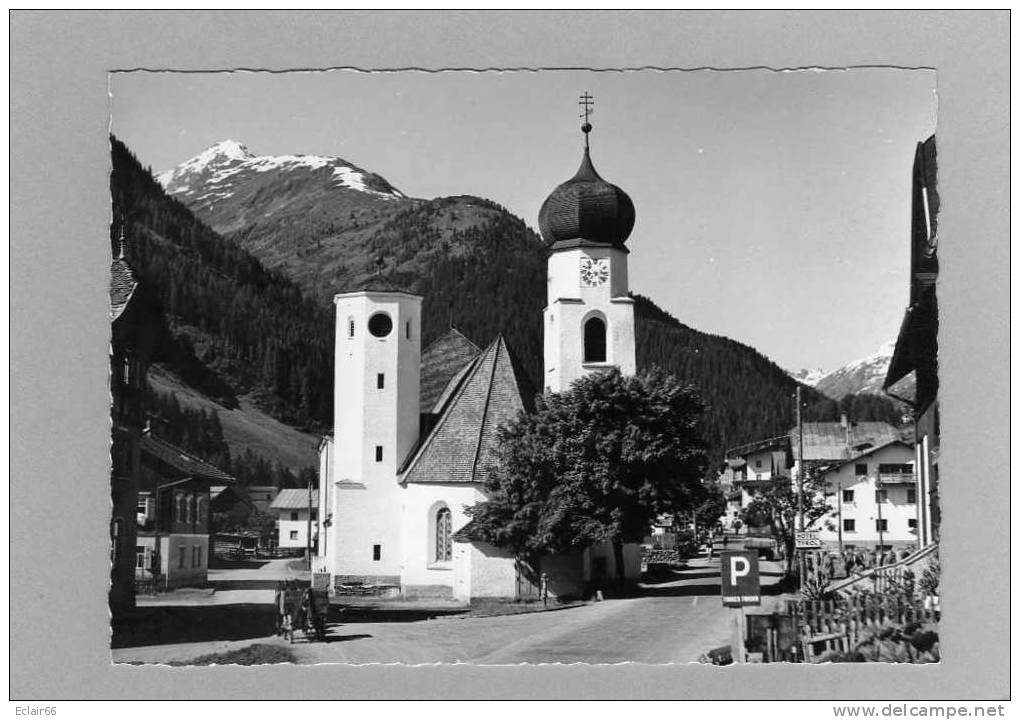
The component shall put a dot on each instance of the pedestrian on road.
(544, 591)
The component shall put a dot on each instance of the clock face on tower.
(594, 272)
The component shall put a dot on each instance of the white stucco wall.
(419, 505)
(570, 306)
(366, 508)
(299, 526)
(863, 509)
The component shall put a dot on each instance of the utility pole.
(839, 509)
(800, 466)
(308, 540)
(879, 497)
(800, 484)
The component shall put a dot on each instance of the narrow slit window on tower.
(378, 453)
(380, 380)
(407, 329)
(377, 552)
(595, 340)
(350, 327)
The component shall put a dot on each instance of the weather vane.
(588, 103)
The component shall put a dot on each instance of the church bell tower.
(376, 405)
(589, 317)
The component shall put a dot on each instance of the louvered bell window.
(444, 542)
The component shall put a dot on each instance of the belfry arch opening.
(594, 340)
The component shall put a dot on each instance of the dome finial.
(586, 101)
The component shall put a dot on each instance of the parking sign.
(741, 584)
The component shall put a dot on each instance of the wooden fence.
(839, 625)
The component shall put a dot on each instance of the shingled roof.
(294, 499)
(122, 286)
(441, 362)
(489, 395)
(828, 440)
(185, 464)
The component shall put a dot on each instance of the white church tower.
(589, 318)
(376, 405)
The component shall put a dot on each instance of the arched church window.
(380, 325)
(595, 340)
(444, 531)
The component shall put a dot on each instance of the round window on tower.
(380, 325)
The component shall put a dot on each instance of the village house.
(172, 547)
(135, 323)
(415, 428)
(291, 507)
(873, 498)
(751, 468)
(916, 354)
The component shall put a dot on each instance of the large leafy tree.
(776, 506)
(596, 463)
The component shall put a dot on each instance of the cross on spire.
(587, 102)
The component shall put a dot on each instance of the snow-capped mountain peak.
(807, 376)
(221, 169)
(866, 375)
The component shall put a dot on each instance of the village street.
(675, 621)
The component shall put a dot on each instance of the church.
(415, 427)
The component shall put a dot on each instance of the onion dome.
(586, 210)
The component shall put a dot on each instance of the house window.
(142, 508)
(881, 496)
(860, 469)
(881, 525)
(127, 370)
(200, 511)
(315, 515)
(757, 463)
(912, 523)
(444, 543)
(380, 381)
(179, 509)
(377, 552)
(849, 525)
(911, 495)
(196, 551)
(848, 496)
(378, 453)
(293, 515)
(293, 534)
(180, 557)
(117, 533)
(595, 340)
(190, 509)
(140, 557)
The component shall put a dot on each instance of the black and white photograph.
(511, 367)
(509, 355)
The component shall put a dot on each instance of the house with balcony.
(751, 468)
(873, 496)
(172, 544)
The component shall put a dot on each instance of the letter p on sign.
(739, 577)
(740, 567)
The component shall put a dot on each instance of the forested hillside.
(253, 330)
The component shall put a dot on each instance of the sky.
(772, 207)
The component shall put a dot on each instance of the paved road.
(677, 622)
